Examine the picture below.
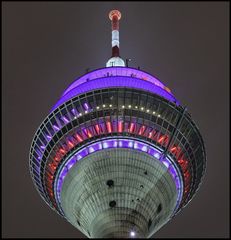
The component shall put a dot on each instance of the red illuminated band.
(103, 128)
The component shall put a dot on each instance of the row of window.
(109, 103)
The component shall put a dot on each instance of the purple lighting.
(74, 111)
(110, 82)
(105, 145)
(166, 163)
(65, 119)
(86, 106)
(130, 144)
(116, 143)
(91, 149)
(157, 155)
(49, 137)
(115, 71)
(56, 128)
(39, 153)
(144, 149)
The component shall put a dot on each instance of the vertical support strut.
(179, 120)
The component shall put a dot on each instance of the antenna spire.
(115, 16)
(115, 60)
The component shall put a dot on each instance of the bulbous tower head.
(118, 155)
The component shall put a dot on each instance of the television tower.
(118, 155)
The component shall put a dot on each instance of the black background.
(47, 44)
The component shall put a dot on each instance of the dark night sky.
(47, 44)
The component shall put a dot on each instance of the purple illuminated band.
(118, 143)
(114, 71)
(117, 81)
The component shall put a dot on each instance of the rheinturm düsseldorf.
(118, 155)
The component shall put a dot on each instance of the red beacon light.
(114, 13)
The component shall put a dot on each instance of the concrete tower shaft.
(118, 191)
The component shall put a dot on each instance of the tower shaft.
(108, 195)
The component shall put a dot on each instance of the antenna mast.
(115, 60)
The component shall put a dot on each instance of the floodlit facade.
(118, 155)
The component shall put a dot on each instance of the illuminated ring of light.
(118, 143)
(115, 82)
(114, 71)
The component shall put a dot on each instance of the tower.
(118, 155)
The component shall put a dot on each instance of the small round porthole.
(110, 183)
(112, 204)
